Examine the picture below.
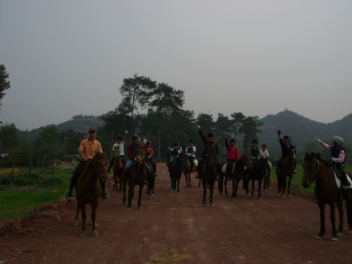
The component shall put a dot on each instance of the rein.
(97, 171)
(316, 173)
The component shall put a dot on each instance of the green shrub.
(51, 181)
(21, 180)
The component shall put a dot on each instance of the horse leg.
(220, 183)
(211, 193)
(349, 214)
(93, 216)
(190, 182)
(252, 188)
(259, 188)
(225, 182)
(115, 184)
(283, 186)
(124, 194)
(199, 184)
(332, 219)
(178, 184)
(130, 196)
(84, 216)
(339, 207)
(234, 191)
(204, 193)
(278, 183)
(120, 183)
(140, 197)
(322, 220)
(289, 185)
(75, 223)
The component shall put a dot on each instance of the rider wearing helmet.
(254, 152)
(209, 141)
(191, 154)
(149, 153)
(132, 155)
(120, 144)
(86, 150)
(338, 157)
(285, 151)
(232, 155)
(174, 152)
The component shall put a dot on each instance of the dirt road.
(246, 230)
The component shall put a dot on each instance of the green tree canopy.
(4, 83)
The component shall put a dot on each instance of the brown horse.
(327, 192)
(88, 189)
(244, 163)
(187, 172)
(150, 179)
(117, 171)
(287, 170)
(209, 173)
(138, 177)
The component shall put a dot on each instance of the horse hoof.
(220, 193)
(283, 195)
(319, 237)
(234, 198)
(82, 235)
(212, 205)
(190, 187)
(204, 205)
(141, 208)
(278, 194)
(260, 198)
(128, 208)
(150, 197)
(349, 231)
(334, 239)
(146, 195)
(95, 234)
(75, 224)
(153, 194)
(248, 194)
(264, 190)
(289, 195)
(339, 233)
(178, 192)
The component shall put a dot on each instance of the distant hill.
(301, 129)
(77, 123)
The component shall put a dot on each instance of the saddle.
(194, 161)
(224, 168)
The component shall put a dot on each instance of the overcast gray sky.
(258, 57)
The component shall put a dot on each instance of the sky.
(256, 57)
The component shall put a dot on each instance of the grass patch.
(21, 201)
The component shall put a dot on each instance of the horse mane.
(310, 158)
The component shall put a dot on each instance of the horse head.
(99, 164)
(182, 159)
(211, 156)
(246, 160)
(140, 157)
(310, 169)
(118, 160)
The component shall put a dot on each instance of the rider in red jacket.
(232, 155)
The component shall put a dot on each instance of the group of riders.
(89, 146)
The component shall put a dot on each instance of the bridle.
(97, 171)
(315, 176)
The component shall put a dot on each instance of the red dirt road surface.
(246, 230)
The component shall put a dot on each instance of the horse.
(267, 177)
(257, 172)
(150, 179)
(138, 177)
(176, 168)
(117, 171)
(209, 173)
(187, 172)
(326, 192)
(88, 189)
(287, 170)
(243, 163)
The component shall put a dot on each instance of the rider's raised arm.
(227, 144)
(203, 137)
(124, 137)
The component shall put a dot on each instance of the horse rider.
(132, 155)
(254, 152)
(265, 154)
(149, 152)
(285, 147)
(86, 150)
(179, 147)
(232, 155)
(208, 141)
(175, 152)
(120, 144)
(191, 154)
(338, 157)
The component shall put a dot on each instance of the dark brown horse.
(88, 189)
(138, 177)
(187, 172)
(287, 170)
(117, 171)
(150, 179)
(176, 168)
(327, 192)
(257, 173)
(209, 173)
(241, 165)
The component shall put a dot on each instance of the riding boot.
(229, 177)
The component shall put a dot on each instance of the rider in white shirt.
(120, 144)
(265, 154)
